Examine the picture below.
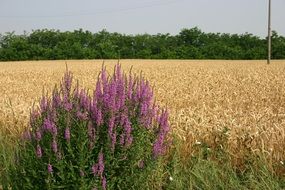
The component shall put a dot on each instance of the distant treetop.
(188, 44)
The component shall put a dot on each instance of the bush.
(112, 139)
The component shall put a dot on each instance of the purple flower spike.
(84, 100)
(39, 151)
(54, 130)
(104, 183)
(122, 139)
(94, 169)
(82, 116)
(101, 164)
(111, 126)
(34, 115)
(50, 127)
(54, 146)
(67, 82)
(98, 90)
(50, 170)
(67, 134)
(99, 120)
(56, 100)
(67, 106)
(38, 136)
(114, 140)
(44, 104)
(127, 131)
(159, 145)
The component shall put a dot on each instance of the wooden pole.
(269, 33)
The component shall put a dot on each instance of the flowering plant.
(78, 141)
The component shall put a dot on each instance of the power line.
(91, 13)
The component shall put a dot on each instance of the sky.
(142, 16)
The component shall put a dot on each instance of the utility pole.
(269, 33)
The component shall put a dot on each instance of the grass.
(178, 171)
(8, 148)
(228, 116)
(202, 171)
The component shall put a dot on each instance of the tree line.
(188, 44)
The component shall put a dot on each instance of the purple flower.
(127, 130)
(67, 82)
(34, 115)
(111, 126)
(84, 100)
(96, 113)
(50, 126)
(49, 167)
(67, 134)
(99, 120)
(39, 151)
(54, 146)
(44, 104)
(56, 100)
(129, 141)
(54, 130)
(118, 72)
(101, 164)
(67, 105)
(109, 98)
(122, 139)
(95, 169)
(98, 90)
(129, 138)
(104, 182)
(98, 169)
(159, 145)
(38, 135)
(82, 116)
(113, 140)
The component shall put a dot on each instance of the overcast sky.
(142, 16)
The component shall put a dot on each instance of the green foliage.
(188, 44)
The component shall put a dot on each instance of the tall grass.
(8, 149)
(213, 169)
(191, 172)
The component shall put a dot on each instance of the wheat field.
(238, 104)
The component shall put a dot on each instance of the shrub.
(76, 141)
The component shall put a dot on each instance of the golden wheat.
(209, 101)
